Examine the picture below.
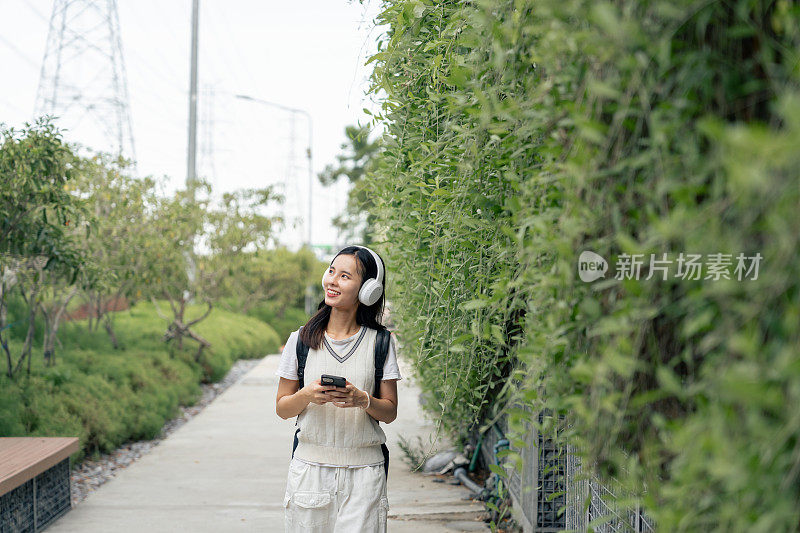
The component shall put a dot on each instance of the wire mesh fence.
(537, 490)
(591, 504)
(553, 493)
(38, 502)
(551, 496)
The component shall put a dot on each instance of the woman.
(336, 476)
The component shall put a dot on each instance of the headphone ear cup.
(322, 281)
(370, 292)
(363, 293)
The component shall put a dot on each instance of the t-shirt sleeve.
(390, 368)
(287, 367)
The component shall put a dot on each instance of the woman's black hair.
(370, 316)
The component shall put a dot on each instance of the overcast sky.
(305, 54)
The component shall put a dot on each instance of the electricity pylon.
(83, 80)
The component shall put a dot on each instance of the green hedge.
(107, 397)
(291, 319)
(518, 135)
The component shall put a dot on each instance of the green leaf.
(498, 470)
(471, 305)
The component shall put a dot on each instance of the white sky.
(300, 54)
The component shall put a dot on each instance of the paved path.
(225, 470)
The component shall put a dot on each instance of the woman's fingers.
(346, 397)
(340, 396)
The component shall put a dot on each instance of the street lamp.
(294, 111)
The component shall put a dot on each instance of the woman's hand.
(349, 396)
(318, 393)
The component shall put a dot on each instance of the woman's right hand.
(317, 393)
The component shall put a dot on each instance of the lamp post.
(295, 111)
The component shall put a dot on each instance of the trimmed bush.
(284, 325)
(107, 397)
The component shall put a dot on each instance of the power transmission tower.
(83, 80)
(292, 178)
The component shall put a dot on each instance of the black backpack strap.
(294, 444)
(381, 352)
(385, 451)
(302, 354)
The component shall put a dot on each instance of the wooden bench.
(34, 481)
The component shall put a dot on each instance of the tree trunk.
(33, 304)
(4, 343)
(179, 320)
(88, 302)
(52, 322)
(97, 310)
(176, 329)
(107, 323)
(4, 321)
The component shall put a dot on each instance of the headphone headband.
(378, 261)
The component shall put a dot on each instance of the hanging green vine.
(520, 134)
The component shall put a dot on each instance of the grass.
(107, 397)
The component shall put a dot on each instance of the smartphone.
(336, 381)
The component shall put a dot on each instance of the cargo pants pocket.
(383, 514)
(308, 509)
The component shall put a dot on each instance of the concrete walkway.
(225, 470)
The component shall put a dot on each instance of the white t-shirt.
(287, 367)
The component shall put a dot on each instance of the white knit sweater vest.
(341, 435)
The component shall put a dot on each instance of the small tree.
(237, 234)
(170, 236)
(36, 211)
(119, 204)
(354, 163)
(58, 293)
(278, 277)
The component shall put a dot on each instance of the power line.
(19, 52)
(236, 47)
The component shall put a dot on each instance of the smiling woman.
(337, 475)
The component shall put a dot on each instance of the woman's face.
(342, 282)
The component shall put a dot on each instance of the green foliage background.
(518, 134)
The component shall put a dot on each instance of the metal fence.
(590, 501)
(553, 493)
(38, 502)
(537, 492)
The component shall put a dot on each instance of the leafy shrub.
(518, 135)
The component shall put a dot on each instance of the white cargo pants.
(330, 499)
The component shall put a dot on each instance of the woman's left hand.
(349, 396)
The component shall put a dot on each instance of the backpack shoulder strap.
(302, 354)
(381, 352)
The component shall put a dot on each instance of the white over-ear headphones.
(372, 289)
